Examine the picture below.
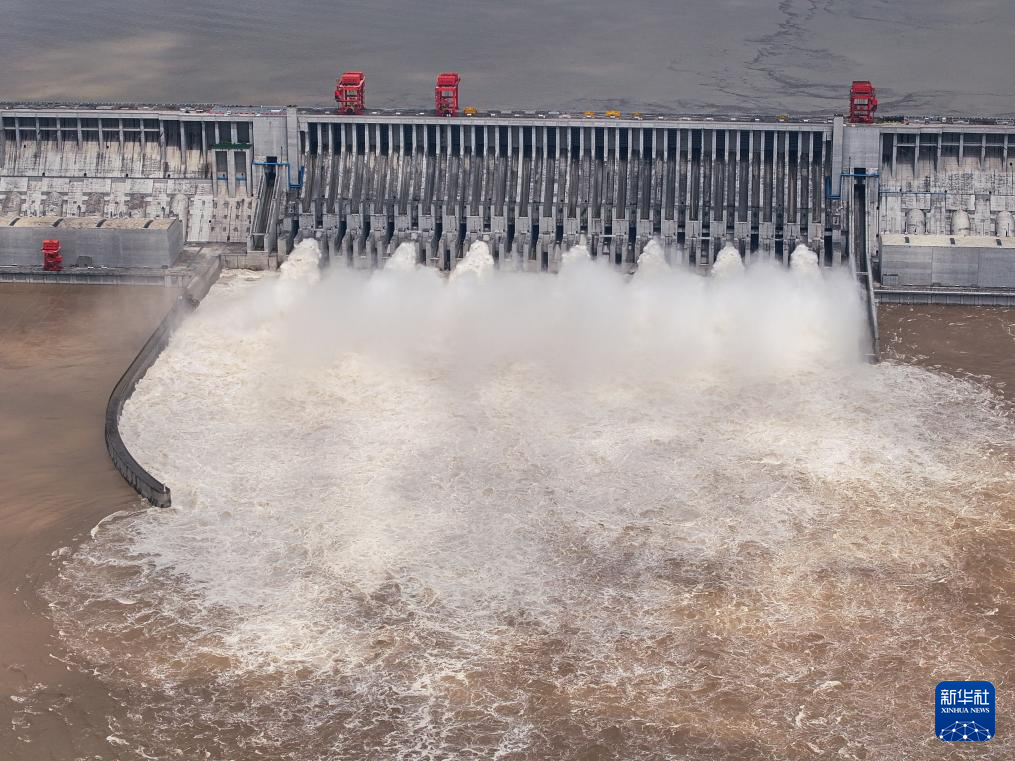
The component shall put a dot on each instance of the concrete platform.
(92, 241)
(945, 296)
(192, 262)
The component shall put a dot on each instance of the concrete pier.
(532, 191)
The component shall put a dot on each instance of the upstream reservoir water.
(516, 516)
(697, 56)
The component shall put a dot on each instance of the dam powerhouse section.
(915, 203)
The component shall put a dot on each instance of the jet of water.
(728, 263)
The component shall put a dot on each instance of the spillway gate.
(534, 190)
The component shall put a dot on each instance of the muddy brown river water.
(62, 348)
(821, 636)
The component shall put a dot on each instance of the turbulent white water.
(504, 513)
(728, 263)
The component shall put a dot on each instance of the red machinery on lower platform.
(446, 93)
(52, 260)
(863, 102)
(350, 91)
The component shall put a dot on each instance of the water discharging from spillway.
(519, 516)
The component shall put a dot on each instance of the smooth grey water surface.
(732, 56)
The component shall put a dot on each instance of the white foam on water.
(303, 263)
(804, 261)
(297, 274)
(652, 257)
(728, 262)
(506, 512)
(476, 264)
(404, 258)
(575, 256)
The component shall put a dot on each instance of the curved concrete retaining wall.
(143, 482)
(866, 282)
(872, 318)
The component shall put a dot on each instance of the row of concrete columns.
(693, 189)
(961, 145)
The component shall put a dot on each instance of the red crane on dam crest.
(863, 102)
(350, 92)
(446, 93)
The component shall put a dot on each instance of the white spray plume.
(652, 257)
(477, 264)
(404, 258)
(804, 261)
(728, 262)
(400, 494)
(576, 255)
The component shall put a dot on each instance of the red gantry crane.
(863, 102)
(446, 93)
(349, 92)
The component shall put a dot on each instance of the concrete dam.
(914, 202)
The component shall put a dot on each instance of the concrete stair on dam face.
(263, 232)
